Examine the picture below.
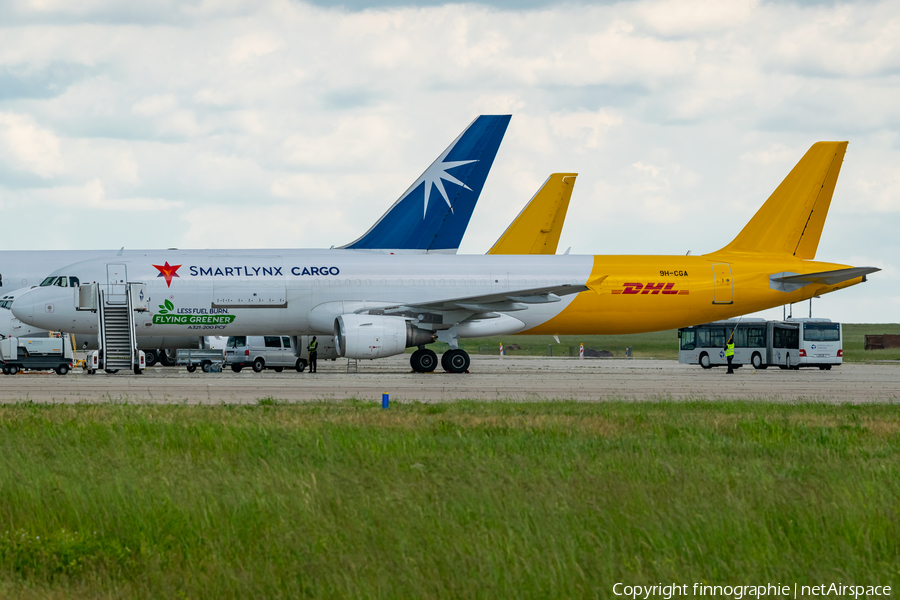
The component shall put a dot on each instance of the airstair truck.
(36, 354)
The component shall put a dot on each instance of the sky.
(285, 124)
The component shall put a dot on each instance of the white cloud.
(282, 123)
(26, 146)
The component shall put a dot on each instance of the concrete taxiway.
(491, 378)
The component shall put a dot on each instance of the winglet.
(594, 284)
(432, 215)
(792, 219)
(537, 228)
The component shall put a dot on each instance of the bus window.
(688, 339)
(822, 332)
(786, 338)
(717, 337)
(756, 337)
(740, 337)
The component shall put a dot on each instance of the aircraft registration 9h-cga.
(378, 305)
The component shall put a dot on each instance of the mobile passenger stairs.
(115, 304)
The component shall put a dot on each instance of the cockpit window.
(62, 282)
(7, 304)
(48, 281)
(73, 282)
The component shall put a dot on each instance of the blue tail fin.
(433, 214)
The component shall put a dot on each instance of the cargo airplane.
(378, 304)
(430, 217)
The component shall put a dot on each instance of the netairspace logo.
(769, 590)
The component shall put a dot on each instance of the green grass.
(658, 344)
(481, 500)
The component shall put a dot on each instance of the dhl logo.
(651, 288)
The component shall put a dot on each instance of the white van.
(261, 352)
(274, 352)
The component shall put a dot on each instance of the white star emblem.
(435, 175)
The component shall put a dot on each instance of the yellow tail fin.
(537, 228)
(791, 220)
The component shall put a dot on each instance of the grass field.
(659, 344)
(480, 500)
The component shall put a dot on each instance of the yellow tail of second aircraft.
(537, 228)
(791, 221)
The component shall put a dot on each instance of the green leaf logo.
(169, 305)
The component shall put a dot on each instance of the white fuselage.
(299, 292)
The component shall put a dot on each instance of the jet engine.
(377, 336)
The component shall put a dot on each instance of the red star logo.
(168, 271)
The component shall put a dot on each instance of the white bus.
(806, 343)
(789, 344)
(704, 345)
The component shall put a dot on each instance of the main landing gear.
(424, 360)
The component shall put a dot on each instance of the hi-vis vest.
(729, 350)
(313, 346)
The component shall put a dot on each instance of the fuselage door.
(116, 277)
(724, 283)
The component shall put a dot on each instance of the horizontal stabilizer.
(788, 282)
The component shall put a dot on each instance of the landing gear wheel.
(151, 357)
(258, 365)
(756, 360)
(423, 360)
(300, 365)
(191, 368)
(236, 368)
(444, 364)
(457, 361)
(62, 369)
(704, 361)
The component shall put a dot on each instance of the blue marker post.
(384, 401)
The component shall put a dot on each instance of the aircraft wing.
(510, 300)
(788, 282)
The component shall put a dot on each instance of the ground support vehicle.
(205, 359)
(38, 354)
(275, 352)
(704, 345)
(788, 344)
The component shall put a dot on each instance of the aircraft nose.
(23, 308)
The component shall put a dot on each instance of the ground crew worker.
(729, 353)
(313, 348)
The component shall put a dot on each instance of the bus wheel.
(704, 361)
(756, 360)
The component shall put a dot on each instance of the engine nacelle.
(377, 336)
